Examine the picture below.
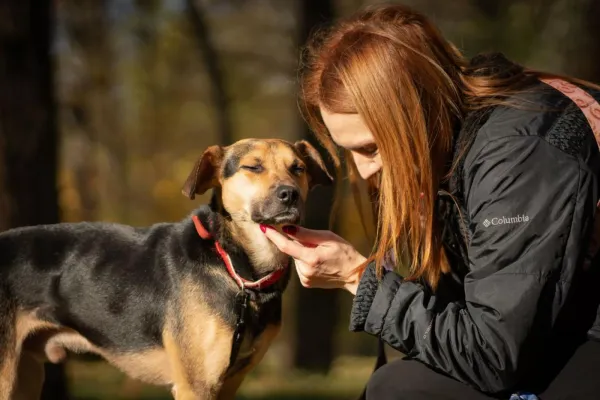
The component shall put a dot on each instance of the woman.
(484, 179)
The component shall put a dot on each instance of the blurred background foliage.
(106, 104)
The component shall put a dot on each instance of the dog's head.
(263, 181)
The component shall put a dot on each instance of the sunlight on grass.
(99, 381)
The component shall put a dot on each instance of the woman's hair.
(412, 88)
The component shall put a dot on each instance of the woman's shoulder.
(540, 113)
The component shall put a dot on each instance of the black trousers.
(579, 379)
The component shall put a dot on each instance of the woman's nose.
(365, 166)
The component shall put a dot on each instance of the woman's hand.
(323, 259)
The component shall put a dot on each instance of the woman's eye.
(253, 168)
(370, 150)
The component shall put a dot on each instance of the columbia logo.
(505, 220)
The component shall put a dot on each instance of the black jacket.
(518, 300)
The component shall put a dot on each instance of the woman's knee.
(397, 380)
(379, 385)
(407, 379)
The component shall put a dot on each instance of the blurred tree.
(512, 26)
(214, 69)
(28, 132)
(571, 39)
(316, 309)
(589, 66)
(86, 26)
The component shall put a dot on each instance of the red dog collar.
(262, 283)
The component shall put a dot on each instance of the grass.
(345, 381)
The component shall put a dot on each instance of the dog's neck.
(244, 239)
(264, 256)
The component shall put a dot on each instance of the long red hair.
(412, 87)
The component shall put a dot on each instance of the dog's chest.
(255, 329)
(253, 348)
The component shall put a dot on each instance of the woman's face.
(350, 132)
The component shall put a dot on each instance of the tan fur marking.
(28, 323)
(150, 366)
(48, 341)
(39, 341)
(276, 157)
(9, 360)
(18, 363)
(8, 373)
(261, 346)
(198, 344)
(182, 390)
(245, 189)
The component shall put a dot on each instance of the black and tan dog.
(193, 304)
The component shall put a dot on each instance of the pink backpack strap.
(583, 99)
(591, 109)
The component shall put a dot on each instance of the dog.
(192, 305)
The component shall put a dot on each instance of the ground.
(99, 381)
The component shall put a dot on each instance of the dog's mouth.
(290, 216)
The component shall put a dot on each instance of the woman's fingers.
(304, 281)
(309, 235)
(289, 247)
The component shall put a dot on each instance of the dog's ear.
(204, 176)
(317, 171)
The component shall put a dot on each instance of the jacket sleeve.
(529, 205)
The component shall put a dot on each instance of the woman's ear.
(204, 175)
(317, 171)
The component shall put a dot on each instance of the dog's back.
(88, 287)
(92, 272)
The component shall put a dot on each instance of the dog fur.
(157, 302)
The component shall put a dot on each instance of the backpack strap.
(588, 105)
(591, 109)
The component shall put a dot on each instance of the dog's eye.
(253, 168)
(297, 169)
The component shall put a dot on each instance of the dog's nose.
(288, 195)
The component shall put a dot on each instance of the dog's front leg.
(196, 374)
(194, 391)
(198, 362)
(261, 346)
(186, 393)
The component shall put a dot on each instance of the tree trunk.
(215, 72)
(316, 309)
(493, 34)
(89, 102)
(28, 133)
(589, 58)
